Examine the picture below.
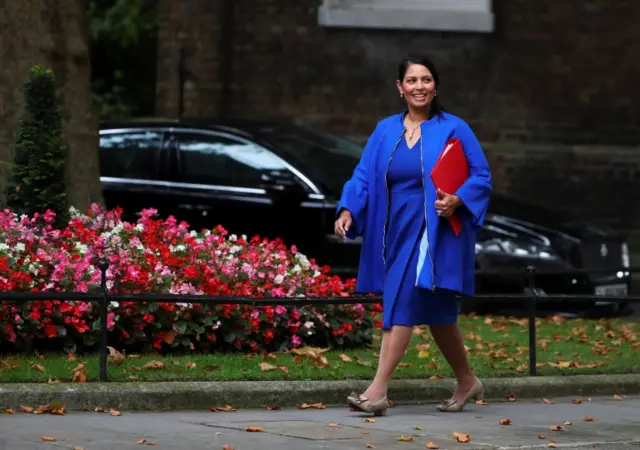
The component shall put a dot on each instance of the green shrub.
(37, 179)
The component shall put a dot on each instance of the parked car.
(279, 180)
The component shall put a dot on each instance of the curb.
(162, 396)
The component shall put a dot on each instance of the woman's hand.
(343, 224)
(446, 204)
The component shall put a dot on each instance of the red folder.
(449, 174)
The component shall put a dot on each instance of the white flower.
(139, 227)
(297, 268)
(20, 247)
(115, 304)
(82, 248)
(233, 238)
(278, 279)
(309, 324)
(3, 247)
(234, 249)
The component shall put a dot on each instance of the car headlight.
(520, 249)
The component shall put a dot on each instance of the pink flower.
(280, 310)
(295, 340)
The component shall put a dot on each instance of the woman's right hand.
(343, 224)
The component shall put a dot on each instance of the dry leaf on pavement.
(461, 437)
(548, 401)
(311, 406)
(505, 422)
(541, 436)
(432, 446)
(78, 448)
(38, 367)
(252, 429)
(576, 401)
(225, 408)
(405, 439)
(345, 358)
(272, 407)
(567, 422)
(556, 428)
(369, 420)
(371, 446)
(481, 402)
(551, 445)
(589, 419)
(25, 409)
(114, 412)
(332, 425)
(9, 411)
(48, 439)
(115, 357)
(228, 447)
(511, 397)
(617, 397)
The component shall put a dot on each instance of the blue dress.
(403, 302)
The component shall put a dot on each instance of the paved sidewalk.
(616, 425)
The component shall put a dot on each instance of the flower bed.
(163, 256)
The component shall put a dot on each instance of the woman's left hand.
(446, 204)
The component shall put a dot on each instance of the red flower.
(51, 331)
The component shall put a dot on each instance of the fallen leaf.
(461, 437)
(364, 432)
(556, 428)
(541, 436)
(551, 445)
(52, 381)
(284, 369)
(548, 401)
(57, 411)
(227, 447)
(265, 367)
(345, 358)
(115, 357)
(392, 404)
(225, 408)
(25, 409)
(142, 441)
(617, 397)
(132, 378)
(38, 367)
(48, 439)
(567, 422)
(78, 448)
(369, 420)
(432, 446)
(419, 428)
(252, 429)
(43, 409)
(362, 362)
(311, 406)
(79, 374)
(190, 365)
(155, 365)
(423, 354)
(511, 397)
(576, 401)
(114, 412)
(9, 411)
(272, 407)
(332, 425)
(505, 422)
(481, 402)
(589, 419)
(436, 377)
(405, 439)
(371, 446)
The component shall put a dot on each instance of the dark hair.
(436, 108)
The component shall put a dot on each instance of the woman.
(409, 251)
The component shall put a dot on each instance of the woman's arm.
(356, 191)
(476, 191)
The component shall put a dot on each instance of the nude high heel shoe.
(475, 393)
(363, 404)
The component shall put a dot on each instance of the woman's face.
(418, 86)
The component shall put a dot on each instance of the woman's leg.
(449, 340)
(394, 345)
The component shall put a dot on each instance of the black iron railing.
(531, 295)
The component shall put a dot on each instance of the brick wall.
(549, 92)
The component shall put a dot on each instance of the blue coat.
(445, 261)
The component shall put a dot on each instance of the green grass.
(497, 348)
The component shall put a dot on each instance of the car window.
(223, 160)
(131, 154)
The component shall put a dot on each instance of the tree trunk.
(54, 33)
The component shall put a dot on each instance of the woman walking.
(410, 252)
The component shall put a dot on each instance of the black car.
(278, 180)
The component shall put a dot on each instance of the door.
(223, 179)
(133, 170)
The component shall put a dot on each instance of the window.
(132, 154)
(440, 15)
(221, 160)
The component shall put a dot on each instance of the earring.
(401, 95)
